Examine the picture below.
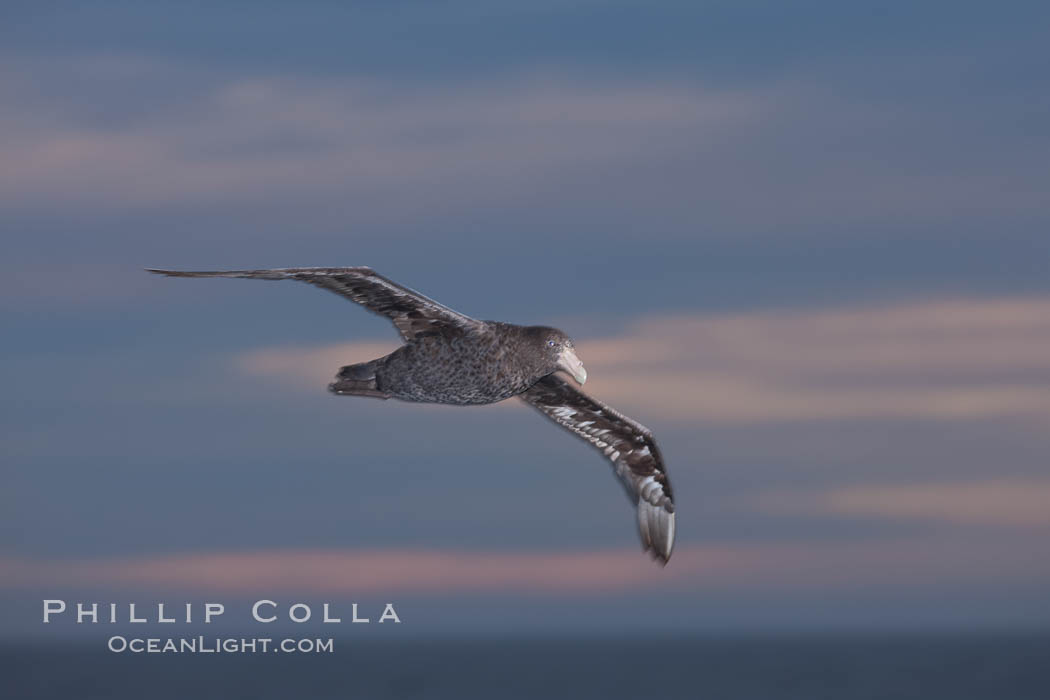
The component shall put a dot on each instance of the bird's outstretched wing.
(628, 444)
(412, 313)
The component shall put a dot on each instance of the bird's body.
(474, 366)
(450, 358)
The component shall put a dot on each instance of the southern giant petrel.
(450, 358)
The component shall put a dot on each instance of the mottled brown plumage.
(483, 365)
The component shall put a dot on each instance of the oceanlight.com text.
(218, 645)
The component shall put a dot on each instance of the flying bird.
(450, 358)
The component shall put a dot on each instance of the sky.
(805, 243)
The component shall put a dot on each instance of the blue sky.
(804, 243)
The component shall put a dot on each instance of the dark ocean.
(1001, 667)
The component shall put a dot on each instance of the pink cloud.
(355, 571)
(760, 566)
(325, 145)
(1018, 503)
(355, 136)
(946, 360)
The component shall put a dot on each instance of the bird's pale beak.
(568, 361)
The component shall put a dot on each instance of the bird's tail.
(358, 380)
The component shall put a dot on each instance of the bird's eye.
(551, 343)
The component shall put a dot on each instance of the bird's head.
(557, 350)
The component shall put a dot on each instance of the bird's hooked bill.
(569, 362)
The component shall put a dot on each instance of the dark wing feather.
(412, 313)
(628, 444)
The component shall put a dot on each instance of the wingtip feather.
(183, 273)
(656, 525)
(276, 274)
